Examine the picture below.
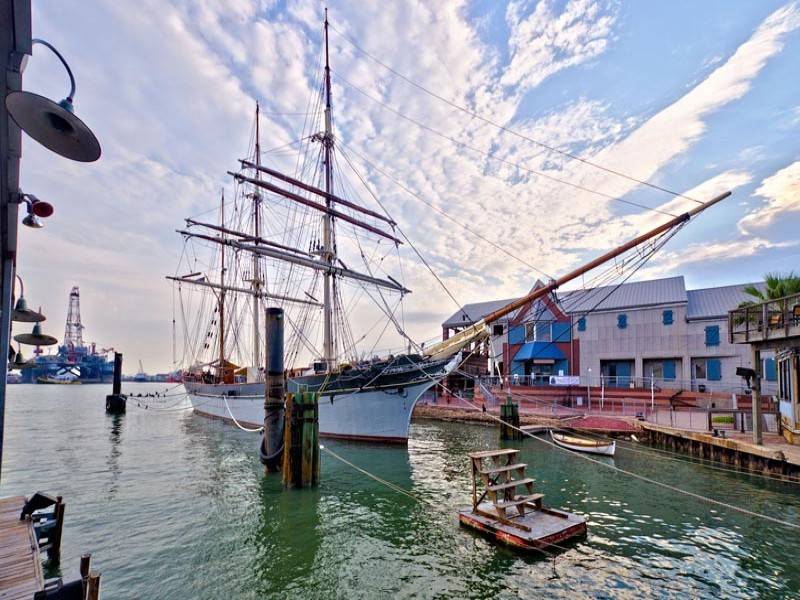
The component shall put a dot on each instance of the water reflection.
(114, 453)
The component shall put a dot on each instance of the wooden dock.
(20, 564)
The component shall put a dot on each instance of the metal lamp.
(37, 210)
(54, 124)
(36, 337)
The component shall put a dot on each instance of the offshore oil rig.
(75, 362)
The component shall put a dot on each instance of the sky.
(692, 97)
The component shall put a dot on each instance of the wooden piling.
(509, 425)
(301, 440)
(93, 586)
(54, 551)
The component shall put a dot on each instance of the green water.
(172, 505)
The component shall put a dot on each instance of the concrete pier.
(773, 457)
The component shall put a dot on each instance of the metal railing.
(772, 319)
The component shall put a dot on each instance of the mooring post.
(54, 553)
(115, 403)
(301, 440)
(509, 425)
(272, 439)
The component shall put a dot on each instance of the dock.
(775, 456)
(20, 563)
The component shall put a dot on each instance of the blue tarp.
(539, 351)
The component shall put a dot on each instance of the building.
(635, 334)
(773, 327)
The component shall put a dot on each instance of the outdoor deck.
(20, 565)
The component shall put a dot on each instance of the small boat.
(583, 445)
(520, 521)
(61, 379)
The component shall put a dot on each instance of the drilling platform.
(75, 361)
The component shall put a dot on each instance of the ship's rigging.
(284, 236)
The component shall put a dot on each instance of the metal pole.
(15, 42)
(272, 442)
(758, 437)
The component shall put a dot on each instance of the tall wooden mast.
(221, 319)
(329, 250)
(256, 275)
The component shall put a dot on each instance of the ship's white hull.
(381, 415)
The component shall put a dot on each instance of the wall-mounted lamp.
(53, 124)
(37, 210)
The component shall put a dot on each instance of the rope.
(239, 425)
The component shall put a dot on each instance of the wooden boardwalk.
(20, 565)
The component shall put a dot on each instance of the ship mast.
(256, 277)
(328, 249)
(221, 319)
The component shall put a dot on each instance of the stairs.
(501, 475)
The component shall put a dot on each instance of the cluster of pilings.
(509, 424)
(290, 443)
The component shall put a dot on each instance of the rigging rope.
(508, 129)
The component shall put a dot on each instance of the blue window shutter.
(669, 369)
(622, 321)
(713, 369)
(582, 324)
(561, 331)
(667, 314)
(712, 335)
(516, 334)
(770, 372)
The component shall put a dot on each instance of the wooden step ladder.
(501, 474)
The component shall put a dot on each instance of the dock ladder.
(496, 470)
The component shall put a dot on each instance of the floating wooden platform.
(20, 565)
(530, 525)
(545, 526)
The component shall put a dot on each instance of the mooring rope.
(239, 425)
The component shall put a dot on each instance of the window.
(700, 369)
(712, 335)
(543, 332)
(530, 331)
(582, 324)
(667, 317)
(497, 330)
(770, 373)
(622, 321)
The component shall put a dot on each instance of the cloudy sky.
(692, 97)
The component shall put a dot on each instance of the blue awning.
(539, 351)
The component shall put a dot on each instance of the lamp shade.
(23, 314)
(53, 125)
(36, 337)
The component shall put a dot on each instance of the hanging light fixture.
(35, 337)
(54, 124)
(21, 312)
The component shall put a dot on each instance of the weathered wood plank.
(20, 565)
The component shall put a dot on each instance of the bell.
(19, 361)
(36, 337)
(53, 125)
(23, 314)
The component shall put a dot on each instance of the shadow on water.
(114, 453)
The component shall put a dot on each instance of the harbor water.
(173, 505)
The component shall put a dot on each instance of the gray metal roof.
(716, 302)
(471, 313)
(670, 290)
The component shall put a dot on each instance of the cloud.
(170, 90)
(545, 42)
(782, 193)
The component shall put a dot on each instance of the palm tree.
(778, 286)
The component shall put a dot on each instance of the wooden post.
(116, 401)
(93, 586)
(301, 440)
(54, 552)
(509, 425)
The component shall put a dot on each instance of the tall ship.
(75, 361)
(302, 242)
